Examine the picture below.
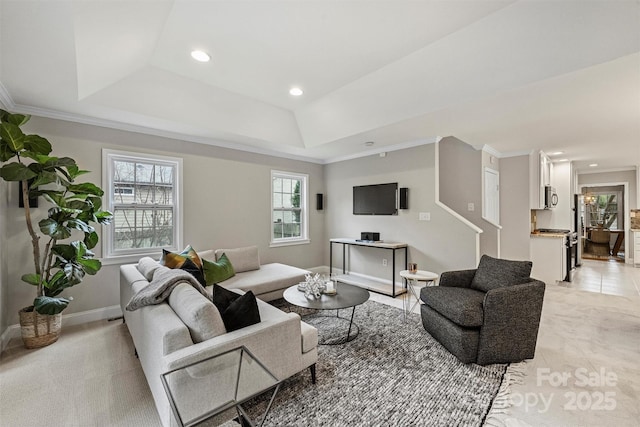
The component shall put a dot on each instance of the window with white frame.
(144, 196)
(289, 213)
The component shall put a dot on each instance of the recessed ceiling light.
(295, 91)
(593, 165)
(562, 160)
(557, 153)
(368, 143)
(200, 56)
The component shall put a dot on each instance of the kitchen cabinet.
(636, 247)
(549, 257)
(540, 169)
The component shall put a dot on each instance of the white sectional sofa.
(266, 281)
(177, 332)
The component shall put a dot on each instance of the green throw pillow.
(218, 271)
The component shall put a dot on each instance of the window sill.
(289, 243)
(128, 259)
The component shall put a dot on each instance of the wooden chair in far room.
(599, 242)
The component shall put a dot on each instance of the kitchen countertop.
(552, 235)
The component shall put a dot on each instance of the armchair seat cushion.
(462, 306)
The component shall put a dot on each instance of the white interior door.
(491, 203)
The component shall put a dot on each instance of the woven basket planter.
(39, 330)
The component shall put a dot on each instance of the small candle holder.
(413, 267)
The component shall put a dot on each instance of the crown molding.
(112, 124)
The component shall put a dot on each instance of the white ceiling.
(513, 75)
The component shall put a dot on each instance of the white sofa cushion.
(198, 314)
(242, 259)
(269, 278)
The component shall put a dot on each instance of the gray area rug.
(392, 374)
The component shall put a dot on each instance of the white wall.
(514, 208)
(443, 243)
(226, 204)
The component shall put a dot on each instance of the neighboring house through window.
(289, 213)
(143, 192)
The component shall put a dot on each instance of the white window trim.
(304, 206)
(132, 255)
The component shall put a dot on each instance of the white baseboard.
(13, 331)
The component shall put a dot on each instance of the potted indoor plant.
(64, 238)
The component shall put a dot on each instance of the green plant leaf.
(55, 197)
(57, 284)
(104, 217)
(16, 172)
(16, 119)
(52, 228)
(37, 144)
(12, 135)
(91, 266)
(45, 177)
(86, 188)
(75, 272)
(32, 279)
(75, 172)
(5, 151)
(50, 305)
(80, 225)
(91, 239)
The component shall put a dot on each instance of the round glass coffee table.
(348, 296)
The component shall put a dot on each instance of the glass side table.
(204, 389)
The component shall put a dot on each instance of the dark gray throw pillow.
(495, 273)
(242, 312)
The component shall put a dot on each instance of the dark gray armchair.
(487, 315)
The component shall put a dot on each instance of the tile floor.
(607, 277)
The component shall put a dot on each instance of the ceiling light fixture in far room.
(200, 56)
(593, 165)
(556, 153)
(562, 160)
(295, 91)
(368, 143)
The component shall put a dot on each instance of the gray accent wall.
(461, 183)
(441, 244)
(226, 204)
(515, 216)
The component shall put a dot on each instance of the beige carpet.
(91, 378)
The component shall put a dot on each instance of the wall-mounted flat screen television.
(379, 199)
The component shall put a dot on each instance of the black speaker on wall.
(319, 201)
(404, 198)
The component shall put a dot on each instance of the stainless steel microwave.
(550, 197)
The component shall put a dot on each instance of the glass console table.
(204, 389)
